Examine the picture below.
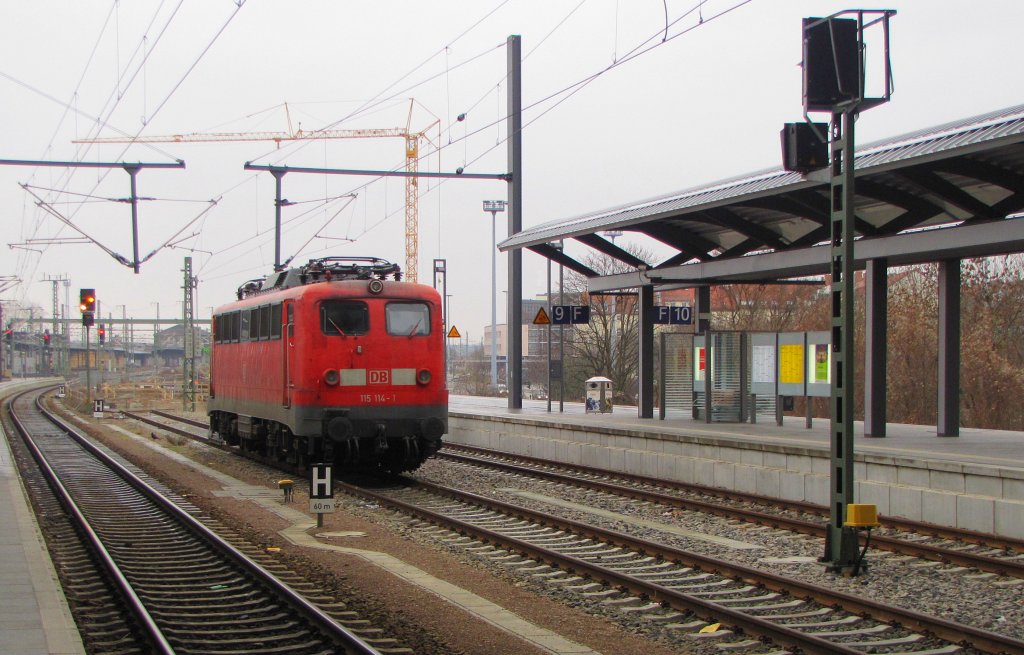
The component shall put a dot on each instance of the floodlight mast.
(833, 81)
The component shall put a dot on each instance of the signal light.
(46, 339)
(87, 300)
(87, 305)
(103, 334)
(8, 335)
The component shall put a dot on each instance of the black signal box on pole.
(804, 146)
(832, 63)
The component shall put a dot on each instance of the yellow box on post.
(862, 516)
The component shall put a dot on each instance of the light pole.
(124, 342)
(494, 206)
(156, 333)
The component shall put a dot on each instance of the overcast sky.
(700, 102)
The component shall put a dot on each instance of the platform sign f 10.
(673, 315)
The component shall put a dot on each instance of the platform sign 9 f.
(570, 314)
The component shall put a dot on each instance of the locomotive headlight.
(331, 377)
(375, 286)
(423, 376)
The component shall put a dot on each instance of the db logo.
(380, 376)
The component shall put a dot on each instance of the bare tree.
(770, 307)
(608, 345)
(992, 378)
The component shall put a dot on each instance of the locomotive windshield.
(408, 319)
(344, 317)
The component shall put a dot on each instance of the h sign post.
(321, 492)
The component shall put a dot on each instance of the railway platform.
(974, 481)
(34, 616)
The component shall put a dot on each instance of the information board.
(819, 364)
(791, 363)
(763, 366)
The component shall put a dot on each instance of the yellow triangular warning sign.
(454, 333)
(541, 318)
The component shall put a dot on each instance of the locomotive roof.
(323, 288)
(323, 269)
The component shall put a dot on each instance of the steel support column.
(949, 349)
(278, 174)
(188, 396)
(876, 312)
(514, 360)
(645, 403)
(703, 313)
(841, 544)
(133, 171)
(703, 310)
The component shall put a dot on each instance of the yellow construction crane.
(412, 148)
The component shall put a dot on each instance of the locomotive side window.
(275, 321)
(254, 324)
(243, 333)
(407, 319)
(265, 322)
(344, 317)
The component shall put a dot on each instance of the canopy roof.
(964, 177)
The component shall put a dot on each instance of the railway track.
(980, 551)
(988, 553)
(176, 586)
(678, 588)
(964, 548)
(674, 587)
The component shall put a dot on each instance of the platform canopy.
(947, 192)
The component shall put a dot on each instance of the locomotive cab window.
(408, 319)
(344, 317)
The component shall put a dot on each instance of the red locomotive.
(332, 362)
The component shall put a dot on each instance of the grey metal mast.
(514, 360)
(188, 397)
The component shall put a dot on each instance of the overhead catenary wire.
(103, 121)
(376, 100)
(108, 198)
(568, 91)
(212, 204)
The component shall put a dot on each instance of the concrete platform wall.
(970, 496)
